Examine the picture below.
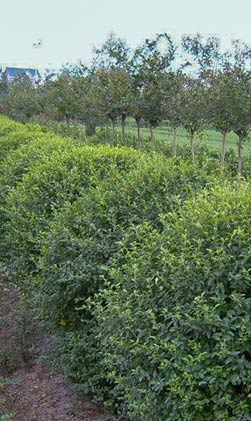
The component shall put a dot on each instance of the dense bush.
(48, 186)
(84, 237)
(7, 125)
(172, 330)
(141, 264)
(20, 160)
(12, 135)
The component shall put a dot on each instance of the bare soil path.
(35, 393)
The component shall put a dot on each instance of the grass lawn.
(164, 136)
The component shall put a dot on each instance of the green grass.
(163, 134)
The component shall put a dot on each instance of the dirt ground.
(34, 392)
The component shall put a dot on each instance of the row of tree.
(194, 84)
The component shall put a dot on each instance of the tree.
(236, 93)
(203, 53)
(113, 53)
(111, 65)
(150, 62)
(92, 107)
(193, 108)
(171, 104)
(21, 99)
(240, 81)
(222, 108)
(137, 108)
(59, 98)
(3, 84)
(115, 91)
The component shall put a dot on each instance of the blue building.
(12, 72)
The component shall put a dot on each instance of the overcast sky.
(69, 28)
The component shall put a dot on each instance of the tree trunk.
(107, 137)
(223, 149)
(240, 147)
(138, 131)
(123, 119)
(192, 147)
(151, 136)
(175, 142)
(113, 132)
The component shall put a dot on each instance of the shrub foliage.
(173, 328)
(139, 265)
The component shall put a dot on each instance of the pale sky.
(69, 28)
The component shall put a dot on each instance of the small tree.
(241, 109)
(113, 53)
(237, 87)
(111, 65)
(57, 98)
(193, 104)
(150, 61)
(203, 53)
(137, 108)
(221, 109)
(91, 107)
(21, 101)
(171, 104)
(115, 89)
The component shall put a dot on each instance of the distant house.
(12, 72)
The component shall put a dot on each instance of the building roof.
(12, 72)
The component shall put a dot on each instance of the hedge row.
(172, 327)
(140, 266)
(86, 235)
(59, 179)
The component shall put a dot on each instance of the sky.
(69, 29)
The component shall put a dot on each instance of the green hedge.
(83, 239)
(172, 330)
(13, 135)
(141, 264)
(18, 162)
(48, 186)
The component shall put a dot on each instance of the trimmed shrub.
(48, 186)
(7, 125)
(83, 239)
(13, 135)
(172, 328)
(145, 278)
(18, 162)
